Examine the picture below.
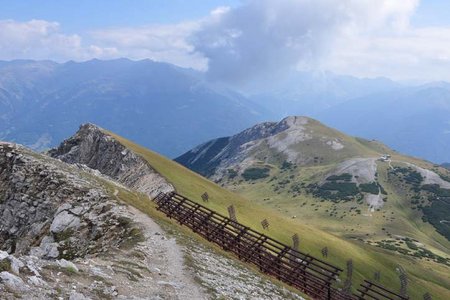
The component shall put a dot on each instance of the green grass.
(315, 232)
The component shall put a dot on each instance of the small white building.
(385, 157)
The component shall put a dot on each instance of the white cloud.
(40, 39)
(414, 53)
(270, 36)
(259, 38)
(158, 42)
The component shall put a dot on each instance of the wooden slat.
(311, 275)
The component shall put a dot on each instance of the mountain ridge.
(43, 102)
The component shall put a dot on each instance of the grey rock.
(92, 147)
(13, 282)
(44, 199)
(67, 265)
(47, 249)
(36, 281)
(64, 221)
(16, 264)
(78, 296)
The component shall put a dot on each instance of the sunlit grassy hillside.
(425, 276)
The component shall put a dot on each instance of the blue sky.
(80, 15)
(432, 13)
(76, 16)
(400, 39)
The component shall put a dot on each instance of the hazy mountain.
(307, 93)
(172, 109)
(415, 121)
(167, 108)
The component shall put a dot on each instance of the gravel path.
(165, 258)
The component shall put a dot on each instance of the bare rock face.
(92, 147)
(49, 210)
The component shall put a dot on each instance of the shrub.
(287, 165)
(343, 177)
(232, 173)
(255, 173)
(5, 265)
(371, 188)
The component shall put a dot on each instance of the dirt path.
(165, 258)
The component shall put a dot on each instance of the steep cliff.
(93, 147)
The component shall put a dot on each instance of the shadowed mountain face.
(294, 140)
(164, 107)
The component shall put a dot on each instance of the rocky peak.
(268, 129)
(294, 121)
(224, 153)
(93, 147)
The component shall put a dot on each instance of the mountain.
(161, 105)
(101, 170)
(157, 104)
(309, 93)
(415, 121)
(299, 141)
(92, 148)
(64, 221)
(356, 189)
(89, 230)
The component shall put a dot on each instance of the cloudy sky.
(238, 40)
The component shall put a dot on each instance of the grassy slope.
(424, 276)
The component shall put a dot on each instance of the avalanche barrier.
(310, 275)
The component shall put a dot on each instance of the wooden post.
(265, 224)
(205, 197)
(325, 251)
(232, 213)
(295, 242)
(348, 280)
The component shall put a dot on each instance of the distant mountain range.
(164, 107)
(411, 119)
(171, 109)
(415, 121)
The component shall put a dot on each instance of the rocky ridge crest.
(92, 147)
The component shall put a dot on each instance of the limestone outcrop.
(92, 147)
(52, 210)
